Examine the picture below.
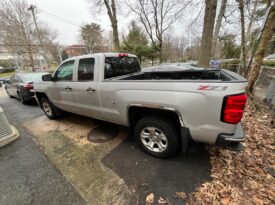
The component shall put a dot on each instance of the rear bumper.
(10, 138)
(232, 141)
(28, 95)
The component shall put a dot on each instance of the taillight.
(233, 108)
(122, 54)
(28, 86)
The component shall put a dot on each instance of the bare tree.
(17, 22)
(157, 16)
(207, 33)
(110, 6)
(48, 37)
(268, 32)
(243, 40)
(218, 25)
(252, 15)
(19, 34)
(173, 47)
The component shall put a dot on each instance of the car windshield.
(32, 77)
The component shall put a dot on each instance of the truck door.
(85, 88)
(61, 88)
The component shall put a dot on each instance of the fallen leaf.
(258, 201)
(162, 201)
(225, 201)
(245, 177)
(181, 195)
(150, 199)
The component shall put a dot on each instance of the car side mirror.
(47, 77)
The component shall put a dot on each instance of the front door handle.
(68, 88)
(91, 90)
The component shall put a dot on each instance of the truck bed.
(178, 74)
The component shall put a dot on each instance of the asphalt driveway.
(27, 176)
(54, 162)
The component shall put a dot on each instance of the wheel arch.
(136, 111)
(39, 96)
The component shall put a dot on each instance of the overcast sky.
(73, 13)
(66, 16)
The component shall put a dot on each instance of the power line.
(53, 16)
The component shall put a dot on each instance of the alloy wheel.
(154, 139)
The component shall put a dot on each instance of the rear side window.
(32, 77)
(116, 66)
(65, 71)
(16, 78)
(86, 69)
(12, 78)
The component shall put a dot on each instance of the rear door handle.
(91, 90)
(68, 88)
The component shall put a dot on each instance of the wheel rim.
(154, 139)
(47, 108)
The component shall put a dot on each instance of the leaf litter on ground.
(245, 177)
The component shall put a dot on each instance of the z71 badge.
(209, 87)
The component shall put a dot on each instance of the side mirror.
(47, 77)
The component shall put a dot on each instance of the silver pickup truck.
(166, 106)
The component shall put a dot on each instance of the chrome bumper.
(232, 141)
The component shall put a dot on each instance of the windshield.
(117, 66)
(32, 77)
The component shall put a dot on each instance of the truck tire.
(49, 109)
(157, 136)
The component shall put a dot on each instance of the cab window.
(86, 69)
(116, 66)
(65, 71)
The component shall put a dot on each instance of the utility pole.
(59, 53)
(31, 8)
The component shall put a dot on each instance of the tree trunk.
(249, 29)
(207, 34)
(268, 31)
(218, 25)
(243, 50)
(251, 21)
(111, 10)
(160, 49)
(115, 36)
(30, 57)
(27, 43)
(114, 26)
